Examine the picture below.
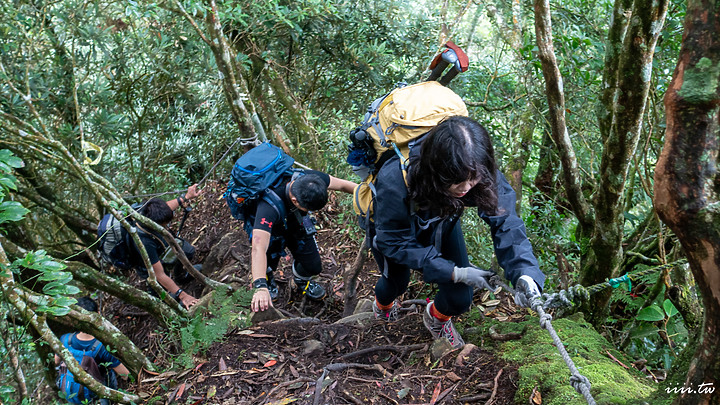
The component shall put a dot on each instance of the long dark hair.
(458, 149)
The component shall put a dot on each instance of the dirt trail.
(281, 362)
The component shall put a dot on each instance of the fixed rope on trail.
(565, 298)
(578, 293)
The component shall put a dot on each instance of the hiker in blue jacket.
(271, 233)
(84, 344)
(418, 227)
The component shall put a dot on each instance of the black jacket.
(409, 238)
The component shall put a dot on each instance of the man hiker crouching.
(161, 212)
(271, 233)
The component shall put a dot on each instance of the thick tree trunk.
(633, 82)
(687, 183)
(627, 83)
(613, 50)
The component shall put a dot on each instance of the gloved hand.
(525, 289)
(473, 276)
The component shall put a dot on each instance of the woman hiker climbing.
(417, 227)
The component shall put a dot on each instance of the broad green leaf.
(57, 288)
(669, 308)
(64, 301)
(72, 290)
(12, 211)
(59, 311)
(8, 182)
(54, 275)
(643, 330)
(653, 313)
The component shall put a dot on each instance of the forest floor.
(281, 362)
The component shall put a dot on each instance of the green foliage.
(209, 325)
(550, 231)
(10, 211)
(650, 328)
(56, 288)
(478, 239)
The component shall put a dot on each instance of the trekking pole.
(186, 212)
(454, 56)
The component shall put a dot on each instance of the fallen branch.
(341, 367)
(616, 360)
(494, 391)
(350, 397)
(286, 384)
(388, 398)
(474, 398)
(445, 393)
(395, 349)
(507, 336)
(414, 302)
(465, 352)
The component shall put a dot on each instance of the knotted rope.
(565, 298)
(577, 380)
(578, 293)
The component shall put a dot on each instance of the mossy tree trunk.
(687, 183)
(628, 107)
(630, 50)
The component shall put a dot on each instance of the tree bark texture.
(628, 106)
(11, 346)
(556, 103)
(687, 182)
(99, 327)
(613, 49)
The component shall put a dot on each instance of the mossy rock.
(542, 366)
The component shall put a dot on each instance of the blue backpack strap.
(276, 202)
(95, 348)
(65, 340)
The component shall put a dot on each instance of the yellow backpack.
(391, 125)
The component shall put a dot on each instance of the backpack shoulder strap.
(276, 202)
(156, 237)
(65, 339)
(95, 348)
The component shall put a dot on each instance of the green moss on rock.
(542, 366)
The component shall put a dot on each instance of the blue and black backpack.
(76, 393)
(253, 176)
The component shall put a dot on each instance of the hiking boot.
(272, 284)
(308, 287)
(440, 329)
(390, 315)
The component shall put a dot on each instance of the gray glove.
(473, 276)
(525, 289)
